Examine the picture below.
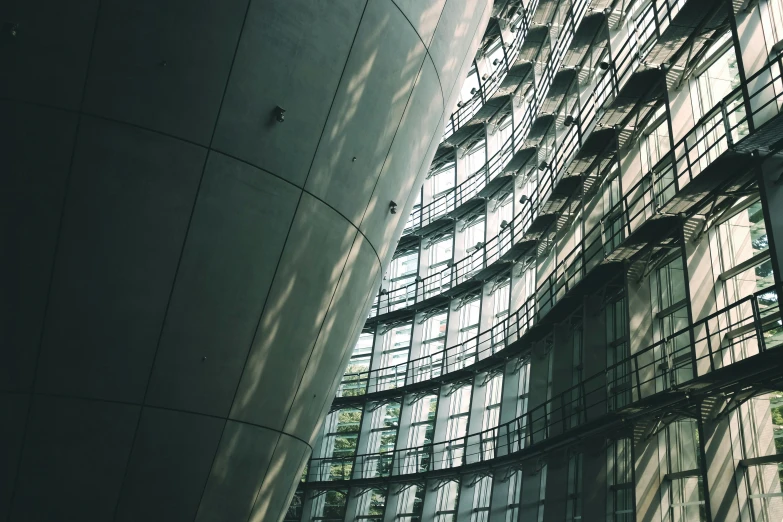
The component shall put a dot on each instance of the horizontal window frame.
(752, 262)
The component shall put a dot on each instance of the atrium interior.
(391, 261)
(581, 318)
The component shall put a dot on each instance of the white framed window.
(514, 498)
(447, 500)
(418, 456)
(743, 247)
(473, 235)
(524, 389)
(574, 498)
(441, 252)
(435, 333)
(686, 489)
(469, 320)
(394, 357)
(357, 372)
(410, 503)
(654, 143)
(443, 181)
(371, 505)
(341, 433)
(457, 426)
(761, 430)
(477, 157)
(505, 130)
(429, 364)
(716, 76)
(482, 490)
(506, 211)
(422, 421)
(492, 402)
(500, 308)
(500, 303)
(620, 484)
(775, 18)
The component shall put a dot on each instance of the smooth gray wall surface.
(184, 277)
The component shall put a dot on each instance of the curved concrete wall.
(183, 276)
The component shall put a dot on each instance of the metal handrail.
(627, 61)
(737, 332)
(494, 166)
(568, 146)
(641, 202)
(714, 133)
(489, 87)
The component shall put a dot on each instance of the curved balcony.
(424, 219)
(444, 365)
(499, 83)
(712, 155)
(738, 342)
(555, 187)
(483, 263)
(635, 83)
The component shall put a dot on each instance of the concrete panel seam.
(247, 355)
(426, 46)
(106, 118)
(54, 262)
(163, 408)
(336, 90)
(181, 253)
(320, 329)
(304, 191)
(199, 145)
(478, 27)
(263, 308)
(391, 144)
(299, 385)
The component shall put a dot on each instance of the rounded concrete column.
(184, 275)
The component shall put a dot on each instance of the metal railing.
(740, 331)
(469, 188)
(486, 255)
(489, 87)
(644, 200)
(717, 131)
(452, 275)
(637, 44)
(444, 361)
